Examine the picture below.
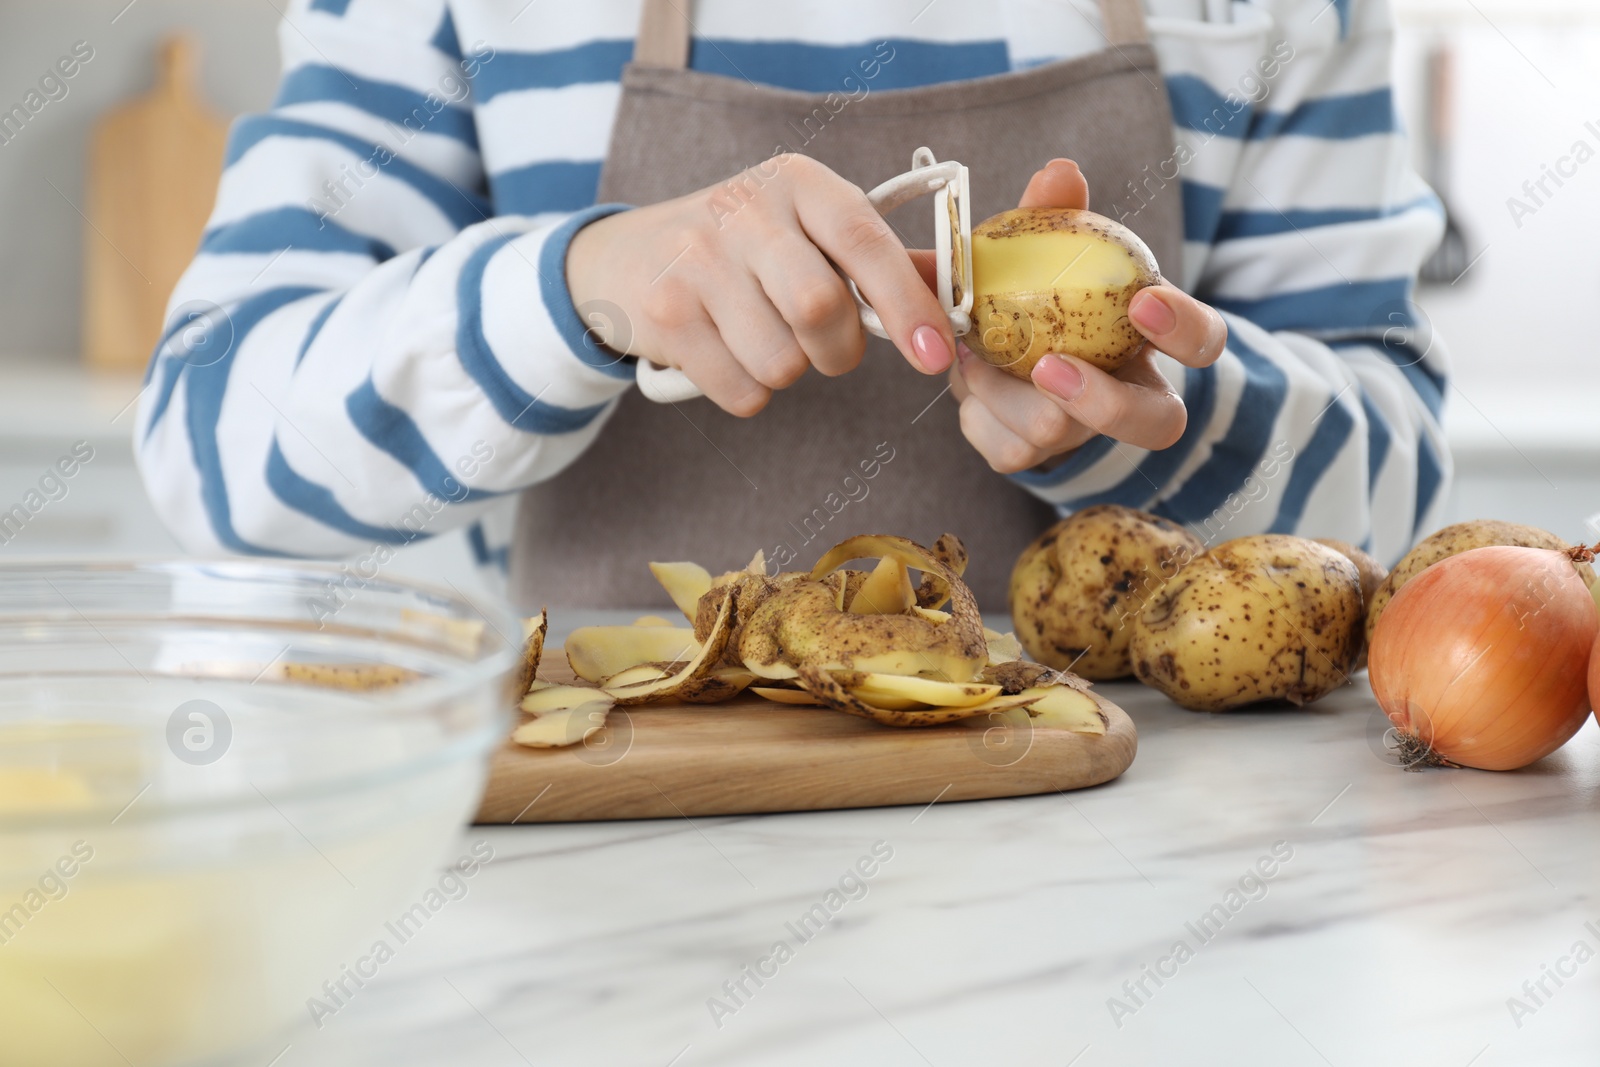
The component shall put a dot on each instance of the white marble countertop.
(1410, 909)
(1413, 907)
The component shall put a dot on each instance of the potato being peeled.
(1077, 588)
(1268, 617)
(1056, 280)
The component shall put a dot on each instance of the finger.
(1002, 449)
(1059, 184)
(1041, 420)
(753, 330)
(841, 222)
(694, 344)
(958, 381)
(814, 302)
(1137, 405)
(1191, 332)
(926, 260)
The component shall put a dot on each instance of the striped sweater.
(374, 342)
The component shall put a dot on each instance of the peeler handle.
(668, 385)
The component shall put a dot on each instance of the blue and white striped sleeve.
(361, 353)
(1306, 227)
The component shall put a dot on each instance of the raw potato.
(797, 627)
(1013, 676)
(355, 677)
(1058, 707)
(798, 697)
(558, 729)
(532, 650)
(1003, 648)
(948, 549)
(878, 688)
(1453, 540)
(1076, 589)
(694, 677)
(1372, 575)
(749, 591)
(464, 636)
(1371, 571)
(555, 698)
(1259, 618)
(707, 684)
(836, 694)
(804, 624)
(1056, 280)
(644, 672)
(598, 652)
(685, 583)
(1062, 707)
(886, 591)
(717, 685)
(865, 642)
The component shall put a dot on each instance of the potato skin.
(1372, 572)
(1014, 330)
(1372, 575)
(1075, 590)
(1258, 618)
(1454, 540)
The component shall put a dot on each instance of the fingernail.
(963, 354)
(1152, 313)
(932, 352)
(1055, 375)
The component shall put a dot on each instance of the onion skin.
(1594, 669)
(1481, 659)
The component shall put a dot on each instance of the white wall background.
(41, 234)
(1523, 410)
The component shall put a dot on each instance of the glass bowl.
(218, 783)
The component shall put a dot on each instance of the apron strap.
(663, 39)
(1124, 22)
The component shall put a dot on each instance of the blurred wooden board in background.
(154, 165)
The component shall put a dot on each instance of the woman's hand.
(1016, 425)
(733, 284)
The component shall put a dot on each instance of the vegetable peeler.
(952, 227)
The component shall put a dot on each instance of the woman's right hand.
(733, 285)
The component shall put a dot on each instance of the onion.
(1594, 663)
(1482, 659)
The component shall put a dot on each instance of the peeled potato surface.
(1056, 280)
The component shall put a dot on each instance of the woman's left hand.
(1016, 425)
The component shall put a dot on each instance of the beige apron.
(878, 450)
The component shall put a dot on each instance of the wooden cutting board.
(154, 165)
(751, 755)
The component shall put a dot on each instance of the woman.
(416, 255)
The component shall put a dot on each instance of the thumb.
(1059, 184)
